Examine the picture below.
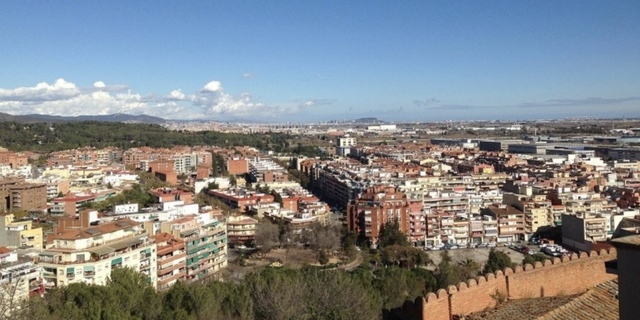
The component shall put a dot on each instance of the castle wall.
(566, 276)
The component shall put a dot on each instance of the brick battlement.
(557, 277)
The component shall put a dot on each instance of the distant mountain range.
(117, 117)
(128, 118)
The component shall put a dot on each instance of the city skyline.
(307, 62)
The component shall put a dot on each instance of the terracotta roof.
(4, 250)
(94, 230)
(598, 303)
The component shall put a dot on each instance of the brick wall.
(436, 306)
(566, 276)
(571, 275)
(476, 295)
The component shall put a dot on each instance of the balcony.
(167, 258)
(171, 277)
(167, 269)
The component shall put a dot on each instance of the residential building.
(15, 194)
(346, 141)
(417, 224)
(13, 159)
(237, 166)
(490, 226)
(205, 243)
(377, 206)
(241, 198)
(89, 254)
(433, 229)
(580, 232)
(19, 280)
(461, 231)
(266, 170)
(169, 194)
(538, 210)
(70, 204)
(19, 233)
(510, 222)
(241, 230)
(172, 260)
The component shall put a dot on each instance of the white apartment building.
(18, 280)
(88, 254)
(346, 141)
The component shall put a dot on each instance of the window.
(79, 257)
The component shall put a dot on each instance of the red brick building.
(241, 199)
(237, 166)
(377, 206)
(12, 159)
(203, 172)
(168, 195)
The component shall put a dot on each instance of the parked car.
(483, 245)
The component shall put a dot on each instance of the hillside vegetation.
(60, 136)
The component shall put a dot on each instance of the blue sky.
(309, 61)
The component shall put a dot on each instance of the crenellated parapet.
(554, 277)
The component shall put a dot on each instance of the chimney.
(85, 218)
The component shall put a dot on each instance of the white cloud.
(248, 75)
(177, 94)
(213, 86)
(210, 101)
(59, 90)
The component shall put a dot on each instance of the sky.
(312, 61)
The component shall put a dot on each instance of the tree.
(348, 241)
(232, 181)
(403, 256)
(532, 259)
(497, 261)
(323, 258)
(267, 236)
(324, 238)
(213, 186)
(11, 298)
(396, 285)
(390, 234)
(469, 268)
(447, 273)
